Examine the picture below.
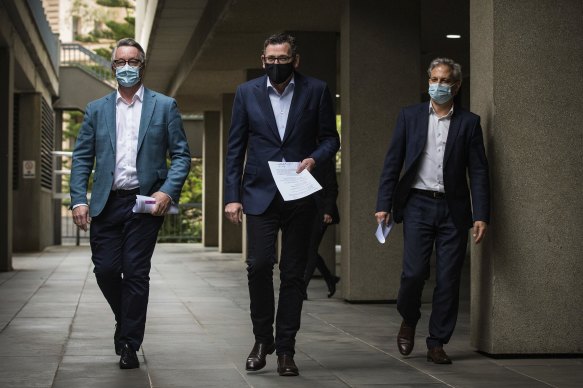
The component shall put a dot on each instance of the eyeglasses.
(282, 59)
(119, 63)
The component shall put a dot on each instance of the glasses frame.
(283, 60)
(125, 62)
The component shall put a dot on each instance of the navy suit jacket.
(160, 134)
(310, 132)
(464, 158)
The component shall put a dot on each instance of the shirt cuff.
(79, 204)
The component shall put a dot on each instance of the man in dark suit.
(441, 146)
(127, 135)
(283, 116)
(327, 215)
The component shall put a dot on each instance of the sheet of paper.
(383, 231)
(290, 184)
(144, 204)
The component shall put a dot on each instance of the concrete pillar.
(33, 228)
(379, 73)
(230, 235)
(6, 155)
(57, 183)
(211, 173)
(526, 85)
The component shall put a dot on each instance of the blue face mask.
(440, 93)
(127, 76)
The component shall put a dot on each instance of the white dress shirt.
(430, 174)
(281, 104)
(127, 126)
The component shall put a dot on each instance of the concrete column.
(211, 208)
(6, 155)
(380, 73)
(526, 85)
(230, 235)
(57, 183)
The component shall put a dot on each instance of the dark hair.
(132, 43)
(281, 38)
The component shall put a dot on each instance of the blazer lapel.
(422, 128)
(262, 96)
(147, 111)
(299, 100)
(110, 118)
(454, 128)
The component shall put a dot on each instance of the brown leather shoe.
(438, 356)
(256, 359)
(406, 339)
(286, 365)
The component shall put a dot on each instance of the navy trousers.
(294, 218)
(122, 244)
(427, 222)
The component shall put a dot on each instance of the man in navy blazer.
(127, 136)
(283, 116)
(439, 146)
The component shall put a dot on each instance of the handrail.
(74, 54)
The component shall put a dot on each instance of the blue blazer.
(310, 132)
(160, 134)
(464, 158)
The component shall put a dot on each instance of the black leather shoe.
(256, 359)
(438, 356)
(129, 358)
(406, 339)
(117, 339)
(331, 283)
(286, 365)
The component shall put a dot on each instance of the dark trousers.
(122, 244)
(294, 219)
(314, 258)
(427, 222)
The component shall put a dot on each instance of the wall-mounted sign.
(29, 169)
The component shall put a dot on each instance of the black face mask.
(279, 72)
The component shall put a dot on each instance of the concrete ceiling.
(200, 49)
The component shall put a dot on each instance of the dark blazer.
(464, 158)
(310, 132)
(160, 134)
(327, 197)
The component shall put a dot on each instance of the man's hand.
(327, 219)
(308, 163)
(81, 217)
(163, 202)
(479, 231)
(234, 212)
(383, 216)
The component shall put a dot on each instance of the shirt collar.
(138, 96)
(448, 115)
(291, 82)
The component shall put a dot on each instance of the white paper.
(290, 184)
(383, 231)
(145, 204)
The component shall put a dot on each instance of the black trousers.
(122, 244)
(427, 222)
(314, 258)
(294, 218)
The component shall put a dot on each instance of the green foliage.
(73, 125)
(103, 52)
(115, 3)
(121, 30)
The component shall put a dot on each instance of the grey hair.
(456, 69)
(132, 43)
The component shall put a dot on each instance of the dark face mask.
(279, 72)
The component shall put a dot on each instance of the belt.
(125, 193)
(429, 193)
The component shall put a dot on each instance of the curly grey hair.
(456, 69)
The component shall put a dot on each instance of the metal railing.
(74, 54)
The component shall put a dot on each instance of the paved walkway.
(56, 331)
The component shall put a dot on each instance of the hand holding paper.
(383, 231)
(290, 184)
(144, 204)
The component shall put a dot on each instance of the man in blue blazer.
(127, 136)
(283, 116)
(439, 145)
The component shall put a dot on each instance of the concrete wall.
(526, 85)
